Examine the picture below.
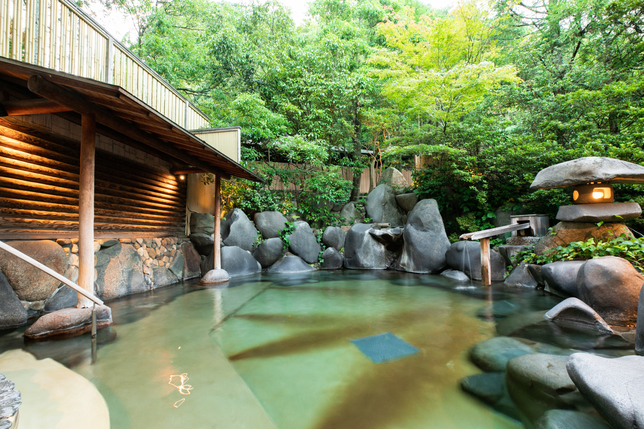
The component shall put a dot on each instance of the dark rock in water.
(588, 169)
(123, 275)
(613, 386)
(215, 276)
(238, 262)
(509, 253)
(64, 297)
(576, 314)
(603, 212)
(361, 251)
(567, 419)
(303, 243)
(204, 244)
(290, 264)
(639, 333)
(407, 202)
(163, 277)
(492, 355)
(202, 223)
(382, 207)
(520, 277)
(350, 213)
(565, 233)
(537, 275)
(238, 230)
(425, 240)
(29, 283)
(270, 223)
(490, 388)
(561, 277)
(611, 286)
(499, 309)
(539, 382)
(334, 237)
(269, 252)
(191, 261)
(386, 236)
(12, 313)
(459, 276)
(333, 260)
(69, 320)
(466, 256)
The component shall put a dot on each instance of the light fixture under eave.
(593, 193)
(182, 177)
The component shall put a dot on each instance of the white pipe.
(51, 272)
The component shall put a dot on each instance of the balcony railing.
(58, 35)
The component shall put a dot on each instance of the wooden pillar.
(86, 208)
(486, 269)
(217, 254)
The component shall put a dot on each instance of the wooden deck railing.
(58, 35)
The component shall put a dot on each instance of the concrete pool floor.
(271, 353)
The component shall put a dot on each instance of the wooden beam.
(486, 268)
(487, 233)
(38, 85)
(30, 107)
(217, 249)
(86, 208)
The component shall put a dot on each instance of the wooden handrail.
(51, 272)
(487, 233)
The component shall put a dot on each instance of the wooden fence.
(58, 35)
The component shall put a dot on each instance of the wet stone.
(493, 354)
(333, 260)
(561, 277)
(459, 276)
(290, 264)
(567, 419)
(576, 314)
(520, 277)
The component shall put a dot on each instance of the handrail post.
(94, 346)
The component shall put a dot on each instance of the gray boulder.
(459, 276)
(386, 236)
(612, 386)
(176, 265)
(290, 264)
(611, 286)
(466, 256)
(490, 388)
(333, 260)
(202, 223)
(270, 223)
(12, 313)
(215, 276)
(425, 240)
(123, 274)
(382, 207)
(350, 213)
(334, 236)
(191, 261)
(238, 230)
(509, 253)
(64, 297)
(602, 212)
(639, 333)
(568, 419)
(493, 354)
(204, 243)
(394, 178)
(407, 202)
(303, 243)
(574, 313)
(561, 277)
(68, 321)
(362, 251)
(163, 277)
(29, 283)
(521, 277)
(589, 169)
(238, 262)
(269, 252)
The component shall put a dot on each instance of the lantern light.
(593, 193)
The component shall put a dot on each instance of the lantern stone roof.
(586, 170)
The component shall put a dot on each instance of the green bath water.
(275, 352)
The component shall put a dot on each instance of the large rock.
(12, 313)
(567, 419)
(237, 230)
(191, 261)
(394, 178)
(269, 252)
(576, 314)
(602, 212)
(350, 213)
(490, 388)
(69, 320)
(459, 276)
(332, 259)
(290, 264)
(270, 223)
(176, 265)
(163, 277)
(613, 386)
(407, 201)
(202, 223)
(382, 207)
(64, 297)
(425, 240)
(466, 256)
(521, 277)
(362, 251)
(386, 236)
(611, 286)
(561, 277)
(585, 170)
(334, 236)
(203, 243)
(29, 282)
(303, 242)
(238, 262)
(639, 333)
(565, 233)
(123, 274)
(494, 354)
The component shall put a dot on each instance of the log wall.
(39, 191)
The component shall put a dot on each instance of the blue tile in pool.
(384, 347)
